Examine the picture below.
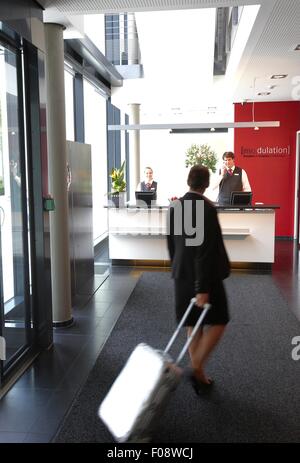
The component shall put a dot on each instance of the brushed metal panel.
(81, 218)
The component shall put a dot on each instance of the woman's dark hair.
(228, 154)
(198, 177)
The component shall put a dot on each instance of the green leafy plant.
(1, 186)
(201, 154)
(118, 183)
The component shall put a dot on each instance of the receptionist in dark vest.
(231, 178)
(148, 184)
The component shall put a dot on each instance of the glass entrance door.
(15, 317)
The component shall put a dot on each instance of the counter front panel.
(140, 233)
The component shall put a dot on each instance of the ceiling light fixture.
(207, 131)
(278, 76)
(264, 93)
(204, 125)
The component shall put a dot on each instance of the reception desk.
(137, 235)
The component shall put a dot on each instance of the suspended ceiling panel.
(110, 6)
(272, 43)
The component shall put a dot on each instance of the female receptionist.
(148, 184)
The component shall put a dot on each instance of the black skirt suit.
(198, 268)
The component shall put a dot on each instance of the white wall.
(165, 153)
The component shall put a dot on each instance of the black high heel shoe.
(200, 387)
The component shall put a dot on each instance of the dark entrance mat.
(256, 396)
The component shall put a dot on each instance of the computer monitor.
(145, 196)
(241, 198)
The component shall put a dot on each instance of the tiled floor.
(34, 407)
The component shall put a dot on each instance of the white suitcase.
(137, 398)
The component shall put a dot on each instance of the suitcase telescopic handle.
(206, 307)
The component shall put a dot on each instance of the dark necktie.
(230, 171)
(148, 186)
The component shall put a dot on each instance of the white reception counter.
(139, 234)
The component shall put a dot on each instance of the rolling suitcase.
(137, 398)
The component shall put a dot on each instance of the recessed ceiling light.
(264, 93)
(278, 76)
(212, 129)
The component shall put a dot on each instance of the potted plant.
(118, 185)
(201, 154)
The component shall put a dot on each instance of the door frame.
(7, 367)
(297, 192)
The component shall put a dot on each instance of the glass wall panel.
(95, 135)
(69, 102)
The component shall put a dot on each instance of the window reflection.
(12, 244)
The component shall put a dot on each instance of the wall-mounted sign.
(265, 151)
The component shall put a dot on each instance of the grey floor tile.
(54, 412)
(114, 296)
(104, 297)
(79, 371)
(81, 325)
(12, 437)
(93, 309)
(51, 366)
(119, 282)
(109, 317)
(20, 408)
(31, 438)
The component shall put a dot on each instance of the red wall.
(268, 156)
